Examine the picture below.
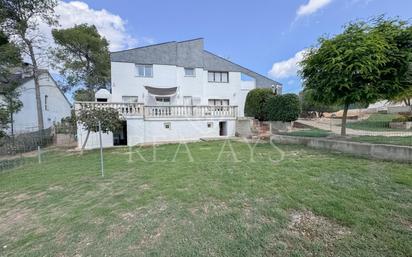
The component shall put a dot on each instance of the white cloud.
(111, 26)
(287, 68)
(311, 7)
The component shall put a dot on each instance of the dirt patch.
(22, 197)
(15, 219)
(316, 228)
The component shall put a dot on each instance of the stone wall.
(375, 151)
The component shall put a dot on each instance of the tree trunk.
(40, 123)
(344, 117)
(12, 124)
(85, 141)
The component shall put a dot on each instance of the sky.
(267, 36)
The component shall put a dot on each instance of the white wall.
(141, 131)
(58, 107)
(93, 140)
(126, 83)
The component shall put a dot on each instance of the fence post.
(39, 153)
(101, 149)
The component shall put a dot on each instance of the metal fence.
(16, 151)
(378, 127)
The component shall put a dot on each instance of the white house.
(54, 103)
(174, 91)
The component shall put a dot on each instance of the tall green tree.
(10, 58)
(352, 67)
(10, 105)
(398, 34)
(83, 58)
(20, 19)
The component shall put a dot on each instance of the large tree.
(82, 57)
(398, 34)
(10, 103)
(20, 20)
(352, 67)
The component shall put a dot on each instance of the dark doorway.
(120, 136)
(222, 128)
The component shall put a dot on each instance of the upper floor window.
(130, 99)
(144, 70)
(219, 102)
(46, 104)
(190, 72)
(218, 76)
(161, 100)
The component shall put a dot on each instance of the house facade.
(55, 105)
(174, 91)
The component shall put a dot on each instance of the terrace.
(169, 111)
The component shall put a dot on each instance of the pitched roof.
(19, 80)
(188, 53)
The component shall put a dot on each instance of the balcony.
(172, 111)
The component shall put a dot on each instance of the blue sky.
(256, 34)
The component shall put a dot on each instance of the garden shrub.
(255, 103)
(402, 119)
(284, 108)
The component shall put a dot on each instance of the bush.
(402, 119)
(255, 103)
(284, 108)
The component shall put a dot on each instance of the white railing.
(181, 111)
(172, 111)
(126, 109)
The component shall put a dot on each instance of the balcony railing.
(126, 109)
(172, 111)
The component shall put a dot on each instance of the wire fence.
(378, 127)
(17, 150)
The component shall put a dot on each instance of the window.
(210, 124)
(46, 98)
(130, 99)
(160, 100)
(167, 125)
(217, 76)
(190, 72)
(144, 70)
(219, 102)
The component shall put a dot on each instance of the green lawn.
(314, 132)
(375, 122)
(287, 201)
(393, 140)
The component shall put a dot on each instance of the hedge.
(255, 103)
(284, 108)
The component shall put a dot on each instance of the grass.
(313, 132)
(375, 122)
(392, 140)
(287, 201)
(395, 140)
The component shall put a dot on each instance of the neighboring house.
(174, 91)
(54, 103)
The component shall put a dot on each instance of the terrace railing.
(172, 111)
(126, 109)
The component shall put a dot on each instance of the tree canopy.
(82, 57)
(285, 108)
(10, 104)
(89, 118)
(20, 19)
(255, 103)
(361, 65)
